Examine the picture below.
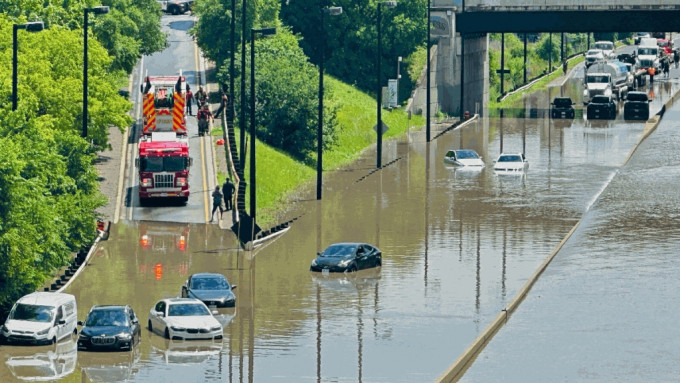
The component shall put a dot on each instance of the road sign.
(384, 127)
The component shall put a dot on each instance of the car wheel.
(352, 269)
(167, 334)
(150, 326)
(54, 340)
(378, 262)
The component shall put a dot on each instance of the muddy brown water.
(457, 246)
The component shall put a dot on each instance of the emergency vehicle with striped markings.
(163, 104)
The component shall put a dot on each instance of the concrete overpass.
(460, 28)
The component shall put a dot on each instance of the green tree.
(287, 97)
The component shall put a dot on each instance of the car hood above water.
(104, 330)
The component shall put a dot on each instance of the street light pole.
(232, 69)
(263, 32)
(333, 11)
(242, 120)
(378, 128)
(96, 11)
(35, 26)
(427, 83)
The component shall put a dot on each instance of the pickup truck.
(176, 7)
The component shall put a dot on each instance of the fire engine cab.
(163, 164)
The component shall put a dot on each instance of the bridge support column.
(475, 77)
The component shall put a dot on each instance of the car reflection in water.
(185, 352)
(43, 363)
(348, 283)
(110, 367)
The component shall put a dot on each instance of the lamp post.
(333, 11)
(231, 69)
(378, 128)
(34, 26)
(242, 120)
(97, 11)
(429, 74)
(263, 32)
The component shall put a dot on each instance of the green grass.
(280, 177)
(514, 98)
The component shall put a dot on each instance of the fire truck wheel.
(184, 200)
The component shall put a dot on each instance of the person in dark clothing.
(217, 203)
(204, 117)
(201, 97)
(189, 98)
(223, 104)
(228, 189)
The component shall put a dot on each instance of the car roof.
(46, 298)
(108, 307)
(347, 244)
(181, 300)
(206, 275)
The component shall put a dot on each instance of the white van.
(41, 318)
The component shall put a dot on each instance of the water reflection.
(42, 363)
(110, 366)
(184, 352)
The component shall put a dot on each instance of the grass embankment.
(280, 176)
(541, 84)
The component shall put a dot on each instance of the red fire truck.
(163, 104)
(163, 165)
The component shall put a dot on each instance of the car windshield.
(159, 164)
(600, 100)
(106, 318)
(563, 102)
(662, 43)
(339, 250)
(647, 51)
(209, 284)
(467, 154)
(598, 79)
(593, 53)
(632, 96)
(605, 46)
(510, 158)
(32, 313)
(187, 309)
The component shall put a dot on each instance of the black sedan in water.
(109, 327)
(347, 257)
(636, 106)
(211, 288)
(602, 107)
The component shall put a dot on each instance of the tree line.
(48, 181)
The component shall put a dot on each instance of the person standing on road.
(189, 98)
(217, 203)
(228, 189)
(223, 104)
(201, 97)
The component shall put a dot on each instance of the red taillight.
(181, 181)
(158, 270)
(182, 243)
(144, 241)
(145, 182)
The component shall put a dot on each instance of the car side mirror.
(318, 253)
(233, 287)
(62, 321)
(80, 323)
(214, 312)
(135, 321)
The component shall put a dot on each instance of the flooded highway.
(457, 246)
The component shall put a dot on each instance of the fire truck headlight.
(145, 182)
(181, 181)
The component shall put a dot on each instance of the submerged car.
(464, 158)
(602, 107)
(184, 318)
(211, 288)
(562, 107)
(109, 327)
(636, 106)
(511, 163)
(347, 257)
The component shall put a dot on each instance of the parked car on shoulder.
(184, 318)
(602, 107)
(594, 56)
(636, 106)
(110, 327)
(347, 257)
(510, 163)
(176, 7)
(562, 107)
(464, 158)
(41, 318)
(211, 288)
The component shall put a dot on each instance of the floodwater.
(457, 246)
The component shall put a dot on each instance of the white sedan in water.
(184, 318)
(465, 158)
(511, 163)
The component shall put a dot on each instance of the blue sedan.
(347, 257)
